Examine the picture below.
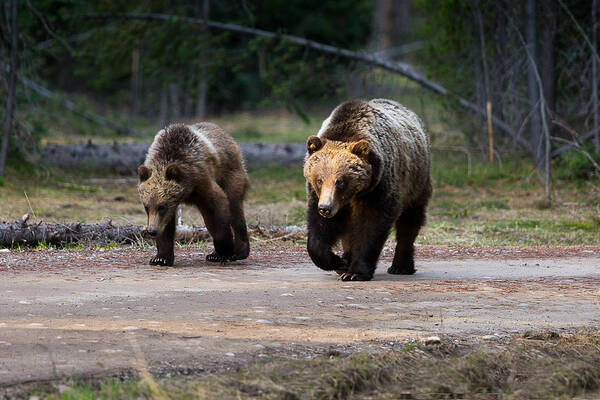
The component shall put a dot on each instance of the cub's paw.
(240, 255)
(402, 269)
(350, 276)
(214, 257)
(158, 260)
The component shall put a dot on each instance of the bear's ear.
(144, 173)
(360, 148)
(173, 172)
(313, 144)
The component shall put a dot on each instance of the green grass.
(493, 207)
(531, 366)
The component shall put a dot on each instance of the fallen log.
(123, 158)
(20, 233)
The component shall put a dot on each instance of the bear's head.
(161, 191)
(337, 171)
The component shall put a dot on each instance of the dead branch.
(404, 69)
(570, 145)
(44, 92)
(581, 150)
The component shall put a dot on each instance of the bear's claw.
(214, 257)
(160, 261)
(349, 276)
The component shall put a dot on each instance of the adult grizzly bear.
(199, 165)
(367, 170)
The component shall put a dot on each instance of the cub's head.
(337, 171)
(161, 190)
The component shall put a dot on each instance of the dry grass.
(537, 366)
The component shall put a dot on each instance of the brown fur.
(367, 170)
(199, 165)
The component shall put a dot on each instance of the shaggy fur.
(199, 165)
(368, 170)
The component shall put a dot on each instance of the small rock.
(432, 340)
(489, 337)
(4, 251)
(362, 307)
(230, 354)
(62, 388)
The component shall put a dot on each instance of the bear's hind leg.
(238, 223)
(215, 211)
(407, 229)
(237, 188)
(165, 241)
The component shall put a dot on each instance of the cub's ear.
(360, 148)
(144, 173)
(313, 144)
(173, 172)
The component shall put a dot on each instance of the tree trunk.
(535, 125)
(164, 109)
(12, 83)
(201, 100)
(548, 54)
(595, 81)
(486, 84)
(174, 100)
(383, 27)
(136, 81)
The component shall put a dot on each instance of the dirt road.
(93, 312)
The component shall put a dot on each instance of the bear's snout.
(325, 210)
(151, 232)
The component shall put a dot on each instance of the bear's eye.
(339, 183)
(161, 208)
(319, 182)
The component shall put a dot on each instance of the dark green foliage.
(241, 71)
(575, 165)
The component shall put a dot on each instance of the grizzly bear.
(368, 169)
(199, 165)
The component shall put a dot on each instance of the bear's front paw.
(158, 260)
(407, 269)
(215, 257)
(350, 276)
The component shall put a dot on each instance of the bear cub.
(367, 170)
(198, 165)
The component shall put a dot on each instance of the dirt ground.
(106, 312)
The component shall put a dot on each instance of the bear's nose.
(151, 232)
(325, 210)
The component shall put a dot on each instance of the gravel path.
(93, 312)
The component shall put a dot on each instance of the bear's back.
(199, 143)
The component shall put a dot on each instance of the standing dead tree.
(12, 83)
(400, 68)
